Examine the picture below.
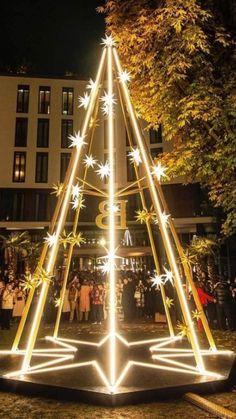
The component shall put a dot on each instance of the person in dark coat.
(224, 305)
(149, 299)
(128, 300)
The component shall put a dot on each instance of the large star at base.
(162, 356)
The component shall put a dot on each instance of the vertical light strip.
(112, 319)
(61, 222)
(163, 228)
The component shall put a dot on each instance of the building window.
(41, 205)
(131, 176)
(21, 132)
(156, 135)
(22, 105)
(65, 159)
(19, 166)
(18, 206)
(66, 130)
(156, 151)
(41, 174)
(44, 99)
(43, 133)
(67, 100)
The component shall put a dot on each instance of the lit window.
(43, 133)
(67, 100)
(21, 132)
(22, 105)
(41, 174)
(19, 166)
(66, 130)
(44, 99)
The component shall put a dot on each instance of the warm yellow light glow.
(112, 290)
(159, 350)
(102, 242)
(61, 220)
(89, 161)
(84, 101)
(158, 210)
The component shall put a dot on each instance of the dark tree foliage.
(182, 58)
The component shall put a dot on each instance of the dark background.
(47, 37)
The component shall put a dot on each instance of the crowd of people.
(86, 299)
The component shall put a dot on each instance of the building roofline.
(40, 76)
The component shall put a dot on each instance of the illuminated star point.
(77, 203)
(84, 101)
(124, 76)
(76, 191)
(77, 140)
(108, 41)
(89, 161)
(50, 239)
(134, 156)
(165, 218)
(157, 280)
(91, 85)
(108, 101)
(104, 170)
(168, 276)
(159, 171)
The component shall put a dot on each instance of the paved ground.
(17, 406)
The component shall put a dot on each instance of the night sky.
(49, 37)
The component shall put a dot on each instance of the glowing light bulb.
(168, 276)
(108, 101)
(159, 171)
(164, 219)
(77, 140)
(102, 242)
(76, 191)
(50, 239)
(77, 203)
(84, 101)
(108, 41)
(124, 76)
(104, 170)
(89, 161)
(91, 85)
(157, 280)
(134, 156)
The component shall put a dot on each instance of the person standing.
(73, 297)
(204, 299)
(97, 298)
(19, 303)
(128, 301)
(84, 303)
(224, 305)
(8, 298)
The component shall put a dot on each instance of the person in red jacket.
(204, 299)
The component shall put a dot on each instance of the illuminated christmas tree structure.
(103, 95)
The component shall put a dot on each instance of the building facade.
(36, 117)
